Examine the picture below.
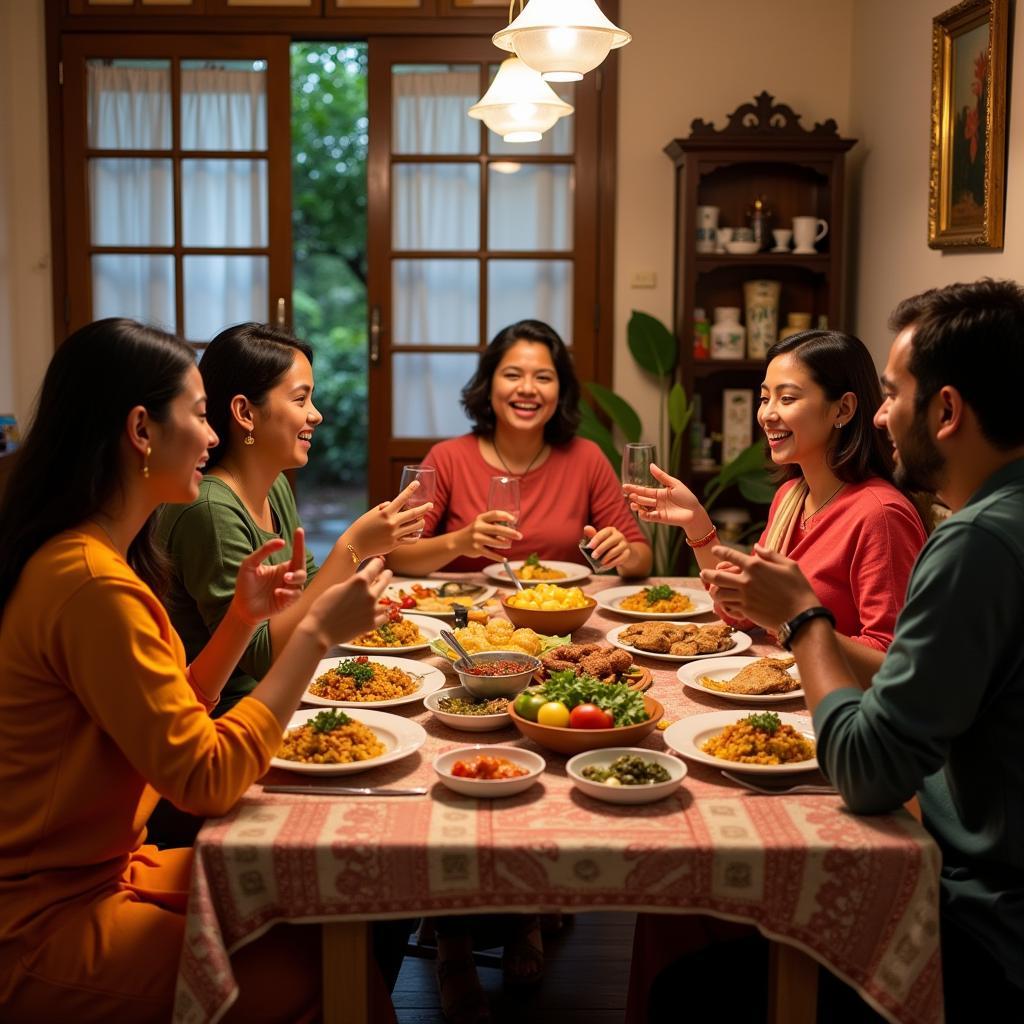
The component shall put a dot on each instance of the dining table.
(858, 895)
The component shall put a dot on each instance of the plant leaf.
(757, 487)
(594, 430)
(652, 344)
(679, 412)
(751, 459)
(621, 412)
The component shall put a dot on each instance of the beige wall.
(26, 317)
(690, 59)
(891, 116)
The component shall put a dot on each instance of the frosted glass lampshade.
(519, 106)
(562, 39)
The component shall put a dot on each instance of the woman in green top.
(259, 386)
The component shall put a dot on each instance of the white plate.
(688, 734)
(392, 589)
(430, 678)
(430, 628)
(487, 789)
(726, 668)
(465, 723)
(609, 600)
(574, 572)
(400, 736)
(646, 794)
(742, 642)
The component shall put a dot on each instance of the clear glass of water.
(636, 464)
(427, 477)
(503, 496)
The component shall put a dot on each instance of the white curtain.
(223, 201)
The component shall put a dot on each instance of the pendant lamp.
(519, 106)
(562, 39)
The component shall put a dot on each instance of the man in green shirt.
(944, 716)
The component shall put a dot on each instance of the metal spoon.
(449, 638)
(778, 791)
(511, 575)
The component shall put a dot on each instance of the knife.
(346, 790)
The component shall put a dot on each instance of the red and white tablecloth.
(859, 894)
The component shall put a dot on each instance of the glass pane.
(529, 206)
(436, 206)
(224, 202)
(131, 202)
(223, 290)
(557, 141)
(224, 104)
(141, 287)
(530, 290)
(436, 302)
(425, 395)
(429, 107)
(129, 104)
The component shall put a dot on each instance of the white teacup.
(807, 231)
(724, 238)
(782, 237)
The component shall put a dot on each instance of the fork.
(775, 791)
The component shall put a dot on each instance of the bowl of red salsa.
(497, 673)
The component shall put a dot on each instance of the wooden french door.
(177, 180)
(467, 234)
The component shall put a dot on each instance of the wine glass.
(503, 496)
(427, 477)
(636, 464)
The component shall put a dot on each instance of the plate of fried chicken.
(609, 664)
(679, 641)
(744, 680)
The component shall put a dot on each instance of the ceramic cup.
(782, 236)
(807, 231)
(762, 302)
(742, 234)
(707, 228)
(724, 237)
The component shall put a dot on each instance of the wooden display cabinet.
(762, 150)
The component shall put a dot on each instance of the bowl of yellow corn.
(547, 608)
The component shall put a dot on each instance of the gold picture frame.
(968, 144)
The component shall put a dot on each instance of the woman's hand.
(261, 591)
(348, 609)
(487, 535)
(389, 524)
(609, 546)
(672, 503)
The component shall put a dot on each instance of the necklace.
(805, 518)
(494, 444)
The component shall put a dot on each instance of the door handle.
(375, 334)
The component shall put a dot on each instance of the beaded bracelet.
(704, 541)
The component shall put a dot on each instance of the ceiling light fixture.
(519, 106)
(562, 39)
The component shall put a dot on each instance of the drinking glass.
(503, 496)
(636, 464)
(428, 485)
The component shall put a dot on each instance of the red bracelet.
(704, 541)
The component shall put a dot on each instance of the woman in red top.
(523, 401)
(838, 513)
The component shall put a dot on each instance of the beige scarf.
(780, 533)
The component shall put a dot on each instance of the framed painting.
(968, 144)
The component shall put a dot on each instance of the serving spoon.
(511, 575)
(449, 638)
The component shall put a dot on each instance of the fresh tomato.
(554, 712)
(394, 614)
(590, 716)
(408, 602)
(528, 704)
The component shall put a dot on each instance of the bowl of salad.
(571, 712)
(626, 775)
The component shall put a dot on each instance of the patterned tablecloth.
(858, 894)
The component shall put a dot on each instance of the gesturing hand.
(261, 591)
(348, 609)
(609, 546)
(389, 524)
(672, 503)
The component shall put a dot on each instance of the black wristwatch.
(788, 630)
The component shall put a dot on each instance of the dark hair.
(69, 465)
(838, 363)
(971, 337)
(476, 395)
(247, 359)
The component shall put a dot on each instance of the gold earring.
(145, 463)
(249, 439)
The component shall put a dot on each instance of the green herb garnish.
(533, 560)
(626, 706)
(388, 635)
(360, 671)
(662, 592)
(328, 721)
(766, 721)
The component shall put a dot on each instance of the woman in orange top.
(99, 714)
